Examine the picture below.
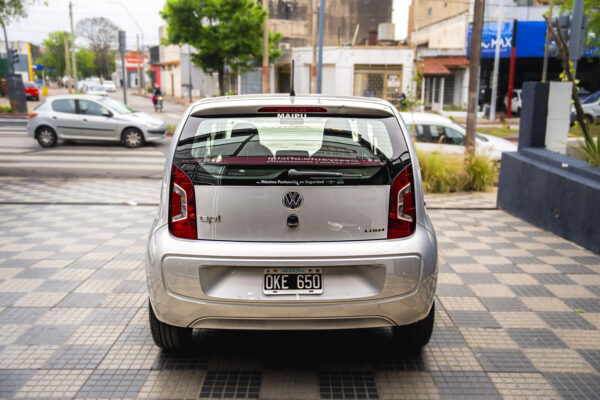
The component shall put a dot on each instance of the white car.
(109, 86)
(433, 132)
(515, 105)
(96, 90)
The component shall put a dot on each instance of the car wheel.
(411, 338)
(37, 98)
(167, 336)
(133, 138)
(589, 119)
(46, 136)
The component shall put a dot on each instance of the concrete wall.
(339, 62)
(536, 186)
(450, 33)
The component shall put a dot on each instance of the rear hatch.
(291, 174)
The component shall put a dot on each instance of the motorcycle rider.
(155, 93)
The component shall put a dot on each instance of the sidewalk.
(517, 314)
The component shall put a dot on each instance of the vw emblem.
(292, 200)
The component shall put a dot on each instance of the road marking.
(108, 158)
(121, 167)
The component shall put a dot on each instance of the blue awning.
(531, 37)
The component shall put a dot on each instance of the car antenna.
(292, 92)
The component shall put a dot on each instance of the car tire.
(589, 119)
(37, 98)
(168, 337)
(46, 136)
(133, 138)
(411, 338)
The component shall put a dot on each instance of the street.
(21, 155)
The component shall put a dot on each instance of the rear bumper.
(217, 284)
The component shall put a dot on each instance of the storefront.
(530, 41)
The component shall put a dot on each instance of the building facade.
(376, 71)
(438, 29)
(343, 19)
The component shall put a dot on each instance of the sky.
(44, 19)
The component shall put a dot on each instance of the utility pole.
(474, 75)
(576, 35)
(313, 67)
(265, 55)
(12, 66)
(67, 61)
(511, 69)
(137, 54)
(122, 50)
(320, 55)
(545, 66)
(190, 72)
(496, 64)
(73, 44)
(73, 63)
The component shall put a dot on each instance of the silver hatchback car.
(97, 118)
(283, 212)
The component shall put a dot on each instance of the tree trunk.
(222, 81)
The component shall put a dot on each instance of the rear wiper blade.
(293, 172)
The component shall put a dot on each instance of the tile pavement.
(518, 316)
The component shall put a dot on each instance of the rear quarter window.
(64, 105)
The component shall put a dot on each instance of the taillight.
(402, 205)
(182, 207)
(32, 115)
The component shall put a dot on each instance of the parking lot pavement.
(518, 316)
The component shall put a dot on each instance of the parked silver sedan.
(98, 118)
(282, 212)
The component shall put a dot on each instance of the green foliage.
(591, 151)
(12, 9)
(86, 63)
(54, 57)
(441, 173)
(501, 131)
(413, 99)
(444, 173)
(480, 173)
(592, 9)
(5, 109)
(225, 32)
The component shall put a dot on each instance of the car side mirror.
(107, 114)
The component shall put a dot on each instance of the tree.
(101, 34)
(592, 9)
(225, 32)
(54, 54)
(12, 9)
(86, 64)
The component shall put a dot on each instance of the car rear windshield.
(282, 150)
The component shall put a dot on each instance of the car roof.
(252, 102)
(424, 118)
(75, 96)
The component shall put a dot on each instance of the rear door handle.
(54, 117)
(85, 119)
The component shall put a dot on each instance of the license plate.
(293, 281)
